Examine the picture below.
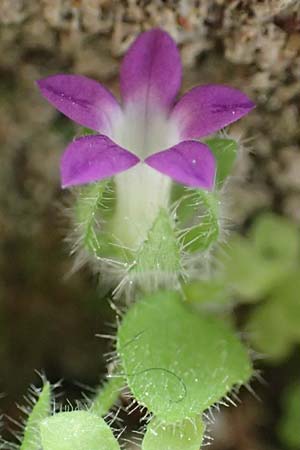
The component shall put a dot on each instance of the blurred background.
(49, 316)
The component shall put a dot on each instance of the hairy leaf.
(178, 363)
(187, 435)
(41, 410)
(77, 430)
(107, 396)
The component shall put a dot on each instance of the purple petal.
(151, 70)
(93, 158)
(189, 162)
(206, 109)
(81, 99)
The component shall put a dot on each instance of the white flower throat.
(141, 191)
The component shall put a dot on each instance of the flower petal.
(189, 162)
(81, 99)
(92, 158)
(151, 70)
(206, 109)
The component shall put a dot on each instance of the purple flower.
(148, 129)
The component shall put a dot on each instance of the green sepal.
(199, 360)
(88, 204)
(225, 152)
(201, 236)
(40, 411)
(77, 430)
(160, 251)
(187, 435)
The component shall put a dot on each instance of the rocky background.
(49, 317)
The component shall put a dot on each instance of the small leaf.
(248, 273)
(267, 333)
(178, 363)
(41, 410)
(225, 152)
(107, 396)
(289, 423)
(274, 325)
(286, 297)
(187, 435)
(201, 236)
(77, 430)
(160, 251)
(206, 292)
(276, 238)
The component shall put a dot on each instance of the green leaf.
(89, 202)
(187, 435)
(248, 273)
(289, 424)
(267, 333)
(206, 292)
(41, 410)
(225, 152)
(77, 430)
(160, 251)
(276, 238)
(286, 298)
(178, 363)
(254, 266)
(107, 396)
(201, 236)
(274, 325)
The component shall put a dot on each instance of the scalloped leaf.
(201, 236)
(225, 152)
(187, 435)
(160, 251)
(178, 363)
(77, 430)
(41, 410)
